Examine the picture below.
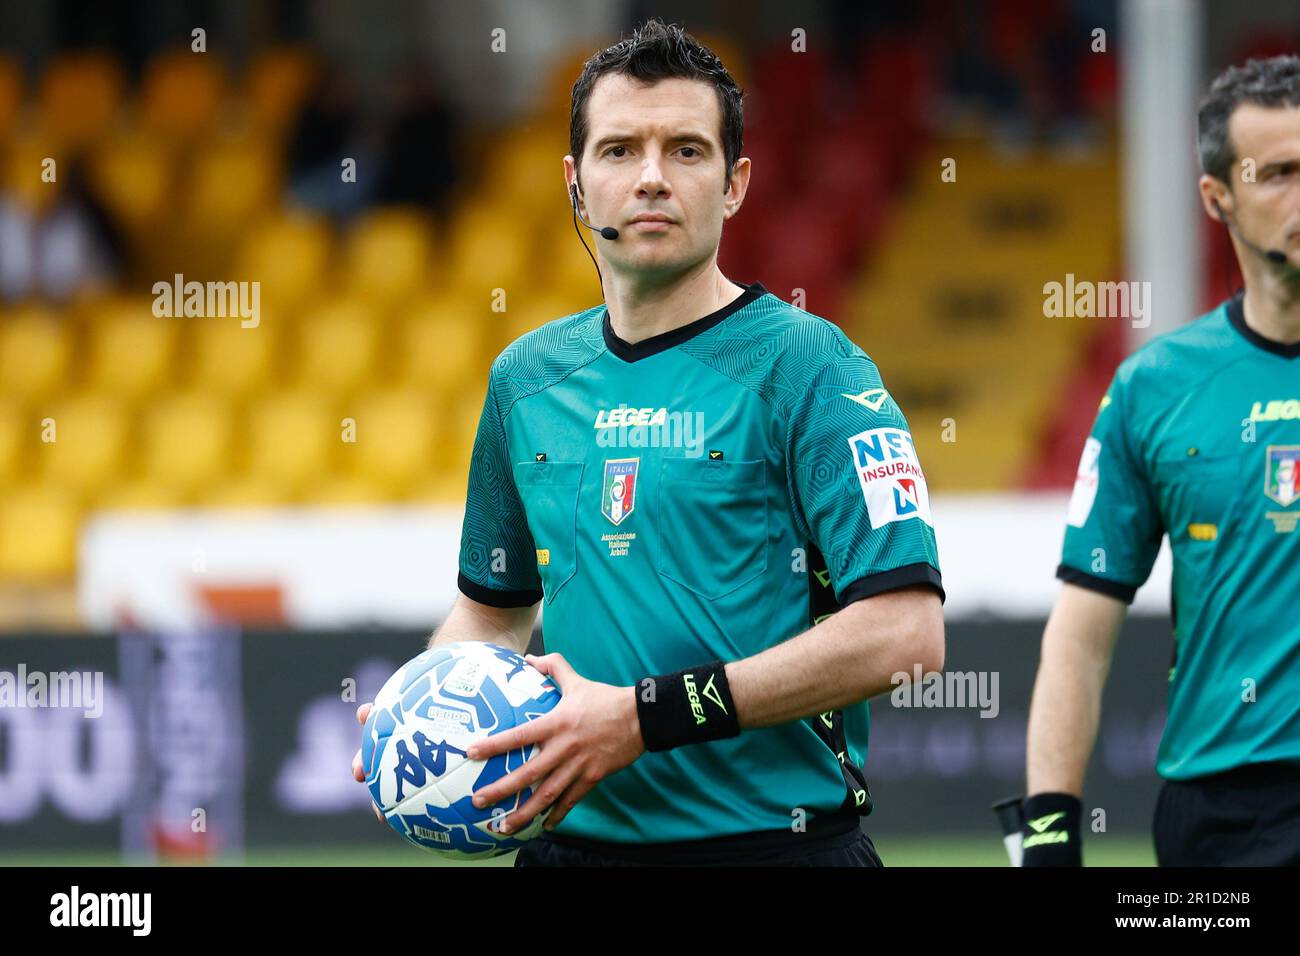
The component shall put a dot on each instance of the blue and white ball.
(423, 721)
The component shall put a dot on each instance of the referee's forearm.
(847, 658)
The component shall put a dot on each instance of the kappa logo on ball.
(891, 477)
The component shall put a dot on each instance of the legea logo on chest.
(628, 427)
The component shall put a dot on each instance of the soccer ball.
(414, 743)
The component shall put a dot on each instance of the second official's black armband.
(689, 707)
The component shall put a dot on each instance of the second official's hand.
(592, 732)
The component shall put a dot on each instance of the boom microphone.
(1276, 256)
(606, 232)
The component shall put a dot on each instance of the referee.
(1198, 438)
(694, 479)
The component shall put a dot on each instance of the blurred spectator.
(59, 249)
(327, 133)
(419, 164)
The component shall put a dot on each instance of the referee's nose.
(652, 184)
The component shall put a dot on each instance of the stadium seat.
(441, 343)
(338, 342)
(23, 165)
(89, 433)
(38, 534)
(396, 439)
(35, 346)
(292, 439)
(11, 94)
(143, 495)
(232, 360)
(279, 80)
(186, 440)
(79, 97)
(181, 93)
(389, 255)
(132, 175)
(288, 254)
(232, 183)
(489, 251)
(131, 352)
(243, 491)
(345, 491)
(17, 431)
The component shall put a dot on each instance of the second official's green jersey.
(672, 501)
(1199, 438)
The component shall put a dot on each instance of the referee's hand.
(593, 732)
(358, 772)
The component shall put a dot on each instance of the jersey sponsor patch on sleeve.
(891, 477)
(1085, 484)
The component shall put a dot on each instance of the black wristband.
(1051, 834)
(688, 707)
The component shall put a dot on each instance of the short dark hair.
(1274, 82)
(657, 51)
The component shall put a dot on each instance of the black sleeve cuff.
(892, 580)
(1115, 589)
(493, 597)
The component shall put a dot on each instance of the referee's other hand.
(358, 773)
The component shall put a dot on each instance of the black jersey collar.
(1237, 316)
(634, 351)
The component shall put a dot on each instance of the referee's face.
(656, 151)
(1266, 203)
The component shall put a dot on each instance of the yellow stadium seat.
(292, 438)
(140, 496)
(186, 440)
(347, 491)
(338, 342)
(248, 491)
(35, 345)
(80, 95)
(288, 255)
(441, 343)
(232, 183)
(82, 442)
(389, 255)
(396, 439)
(233, 360)
(182, 93)
(279, 80)
(132, 173)
(132, 349)
(17, 430)
(11, 94)
(489, 249)
(38, 534)
(25, 163)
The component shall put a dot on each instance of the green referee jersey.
(702, 494)
(1199, 438)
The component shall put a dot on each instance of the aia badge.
(1280, 471)
(618, 497)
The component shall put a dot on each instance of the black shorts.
(1244, 817)
(851, 848)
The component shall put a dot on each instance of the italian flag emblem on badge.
(618, 496)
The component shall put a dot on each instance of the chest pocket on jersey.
(713, 523)
(549, 490)
(1205, 493)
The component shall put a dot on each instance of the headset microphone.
(606, 232)
(1276, 256)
